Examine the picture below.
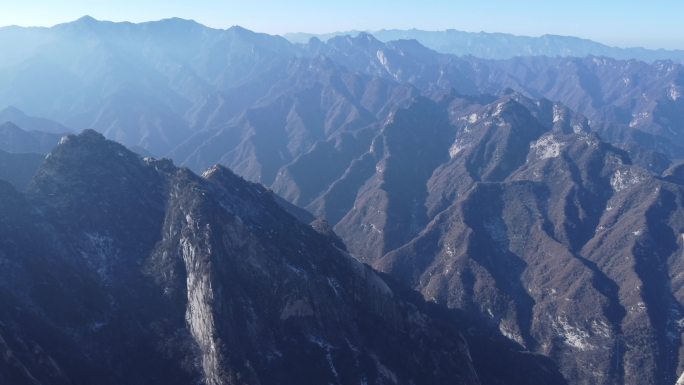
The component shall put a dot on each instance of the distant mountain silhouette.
(503, 45)
(17, 140)
(30, 123)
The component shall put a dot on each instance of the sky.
(652, 24)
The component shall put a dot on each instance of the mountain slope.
(123, 269)
(512, 209)
(18, 169)
(172, 85)
(505, 46)
(17, 140)
(30, 123)
(143, 84)
(317, 106)
(563, 257)
(631, 103)
(472, 180)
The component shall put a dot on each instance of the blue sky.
(653, 23)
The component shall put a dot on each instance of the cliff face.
(118, 269)
(553, 236)
(512, 209)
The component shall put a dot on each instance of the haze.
(620, 23)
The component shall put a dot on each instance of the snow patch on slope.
(557, 114)
(624, 179)
(547, 147)
(456, 148)
(600, 328)
(323, 344)
(639, 119)
(572, 335)
(510, 334)
(499, 109)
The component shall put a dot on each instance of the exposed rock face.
(318, 110)
(560, 229)
(629, 102)
(514, 210)
(119, 269)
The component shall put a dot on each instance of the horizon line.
(347, 32)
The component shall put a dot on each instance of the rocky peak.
(207, 270)
(90, 158)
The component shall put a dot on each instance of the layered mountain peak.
(11, 111)
(10, 127)
(553, 202)
(366, 38)
(178, 22)
(206, 275)
(410, 47)
(88, 25)
(238, 31)
(362, 39)
(534, 193)
(87, 154)
(259, 41)
(85, 20)
(15, 139)
(478, 201)
(30, 123)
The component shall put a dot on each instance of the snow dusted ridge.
(471, 118)
(557, 113)
(638, 119)
(499, 109)
(572, 335)
(63, 140)
(456, 148)
(547, 147)
(623, 179)
(511, 334)
(674, 93)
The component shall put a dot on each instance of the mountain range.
(164, 85)
(534, 203)
(503, 45)
(124, 269)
